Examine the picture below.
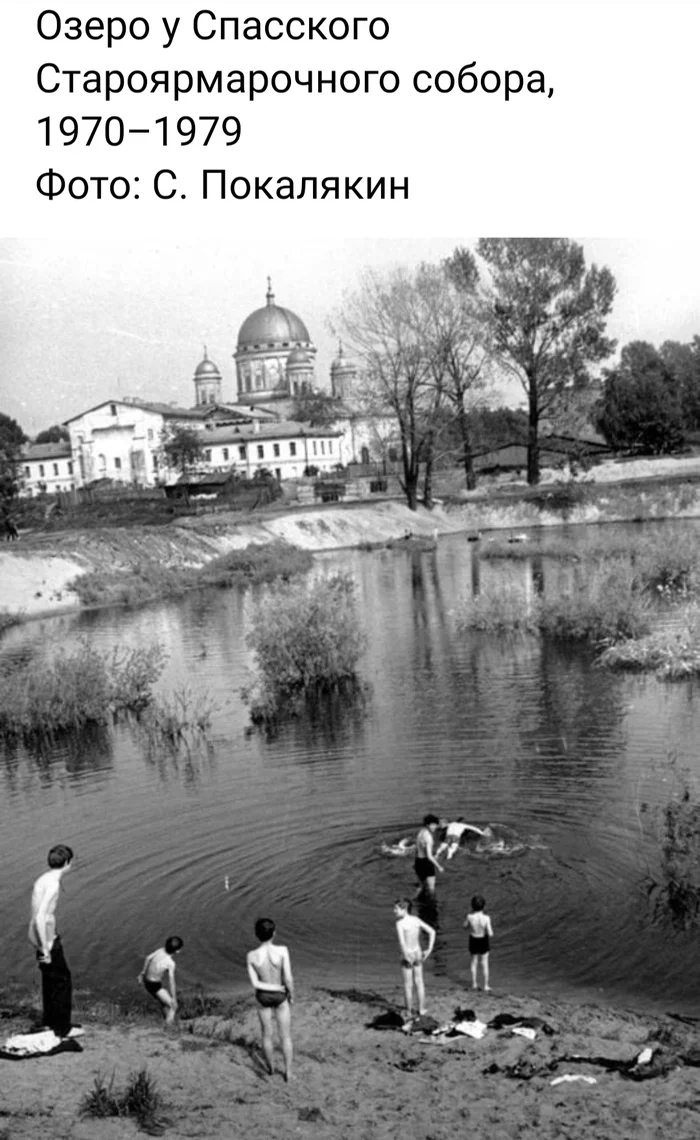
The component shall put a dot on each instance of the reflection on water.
(530, 735)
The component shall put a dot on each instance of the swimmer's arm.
(146, 960)
(489, 928)
(401, 932)
(430, 854)
(171, 975)
(44, 911)
(255, 981)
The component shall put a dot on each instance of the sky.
(82, 321)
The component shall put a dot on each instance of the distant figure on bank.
(480, 932)
(408, 929)
(453, 836)
(426, 863)
(158, 976)
(56, 982)
(270, 973)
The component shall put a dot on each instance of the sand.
(355, 1083)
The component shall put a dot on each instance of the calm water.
(517, 733)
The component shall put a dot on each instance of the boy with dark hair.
(426, 864)
(56, 981)
(158, 976)
(270, 973)
(478, 923)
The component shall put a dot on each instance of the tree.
(182, 447)
(12, 439)
(385, 322)
(548, 316)
(683, 363)
(55, 434)
(316, 408)
(641, 407)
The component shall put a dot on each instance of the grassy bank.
(150, 580)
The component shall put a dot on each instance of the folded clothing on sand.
(23, 1045)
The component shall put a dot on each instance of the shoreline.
(352, 1082)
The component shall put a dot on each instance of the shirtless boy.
(426, 863)
(158, 976)
(408, 929)
(56, 982)
(270, 973)
(480, 930)
(453, 836)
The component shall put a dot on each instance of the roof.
(272, 326)
(59, 450)
(287, 429)
(168, 411)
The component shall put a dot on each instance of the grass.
(182, 716)
(148, 580)
(499, 611)
(676, 894)
(140, 1099)
(672, 654)
(41, 700)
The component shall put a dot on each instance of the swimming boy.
(56, 982)
(426, 863)
(453, 836)
(270, 973)
(480, 932)
(408, 929)
(158, 976)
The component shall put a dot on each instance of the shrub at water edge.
(72, 690)
(602, 606)
(501, 610)
(673, 654)
(306, 640)
(676, 894)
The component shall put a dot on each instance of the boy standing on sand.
(480, 931)
(158, 976)
(408, 929)
(56, 982)
(270, 973)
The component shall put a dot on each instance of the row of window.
(225, 451)
(42, 470)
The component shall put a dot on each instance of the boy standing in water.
(480, 931)
(408, 929)
(158, 976)
(425, 864)
(270, 973)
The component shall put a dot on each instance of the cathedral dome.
(206, 367)
(298, 359)
(272, 327)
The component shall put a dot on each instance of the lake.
(527, 735)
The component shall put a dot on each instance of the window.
(276, 450)
(330, 446)
(292, 449)
(261, 451)
(55, 468)
(323, 448)
(41, 470)
(241, 453)
(224, 452)
(278, 473)
(27, 471)
(314, 447)
(118, 463)
(207, 454)
(70, 466)
(112, 409)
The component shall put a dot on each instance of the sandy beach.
(353, 1082)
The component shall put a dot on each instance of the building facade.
(47, 468)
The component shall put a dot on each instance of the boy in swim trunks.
(158, 976)
(270, 973)
(480, 932)
(408, 929)
(426, 863)
(453, 836)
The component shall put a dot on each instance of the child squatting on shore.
(158, 976)
(270, 973)
(408, 929)
(480, 931)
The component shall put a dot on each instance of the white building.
(286, 449)
(47, 468)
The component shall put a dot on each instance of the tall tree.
(384, 320)
(57, 433)
(641, 407)
(683, 363)
(182, 447)
(12, 439)
(549, 315)
(316, 408)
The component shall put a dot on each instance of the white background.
(613, 152)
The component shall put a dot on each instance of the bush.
(504, 610)
(73, 690)
(672, 654)
(139, 1099)
(306, 640)
(601, 608)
